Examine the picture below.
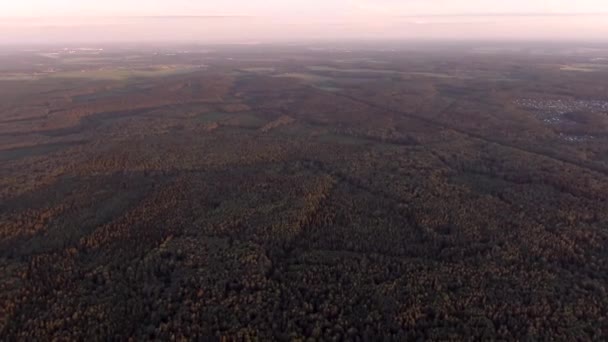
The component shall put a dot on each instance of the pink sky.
(273, 20)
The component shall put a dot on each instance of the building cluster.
(555, 108)
(551, 111)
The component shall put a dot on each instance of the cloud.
(277, 20)
(514, 15)
(482, 8)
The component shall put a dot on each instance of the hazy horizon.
(237, 21)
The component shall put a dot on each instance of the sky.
(291, 20)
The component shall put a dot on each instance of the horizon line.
(227, 16)
(120, 16)
(509, 14)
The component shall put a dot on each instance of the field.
(300, 193)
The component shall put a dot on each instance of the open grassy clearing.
(322, 68)
(37, 150)
(306, 77)
(262, 70)
(585, 67)
(108, 74)
(119, 74)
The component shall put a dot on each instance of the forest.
(291, 193)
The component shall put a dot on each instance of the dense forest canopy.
(300, 193)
